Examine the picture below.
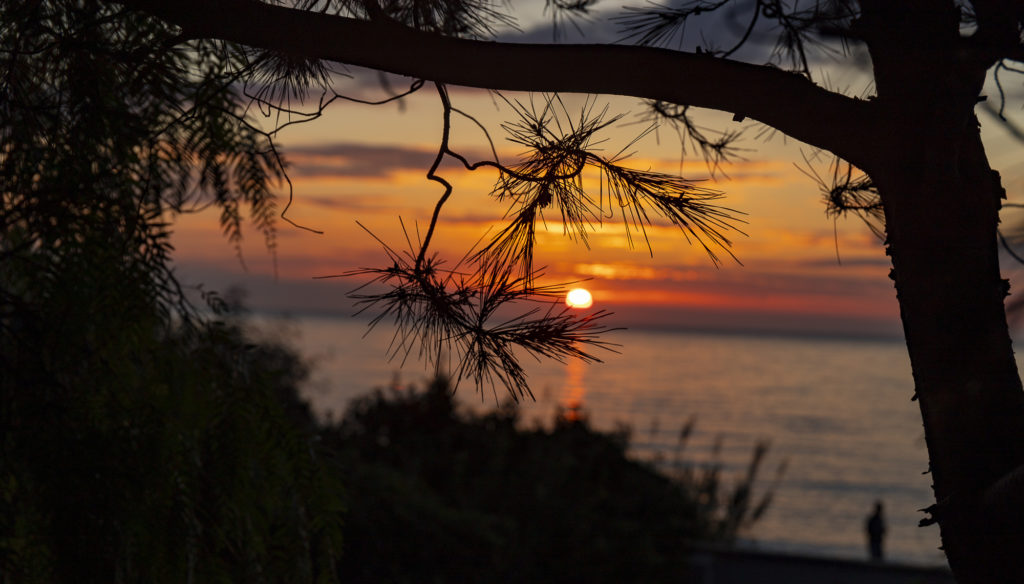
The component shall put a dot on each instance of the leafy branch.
(469, 317)
(443, 313)
(848, 190)
(716, 147)
(560, 150)
(567, 11)
(796, 28)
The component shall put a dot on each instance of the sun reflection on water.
(575, 389)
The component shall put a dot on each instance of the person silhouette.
(875, 528)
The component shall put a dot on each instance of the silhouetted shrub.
(441, 495)
(160, 457)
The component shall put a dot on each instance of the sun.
(579, 298)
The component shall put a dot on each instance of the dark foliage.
(161, 459)
(440, 495)
(138, 442)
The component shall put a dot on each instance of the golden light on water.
(579, 298)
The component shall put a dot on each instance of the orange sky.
(800, 270)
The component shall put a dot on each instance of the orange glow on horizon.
(367, 165)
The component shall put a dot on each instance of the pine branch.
(827, 120)
(560, 150)
(473, 319)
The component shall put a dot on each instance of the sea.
(837, 415)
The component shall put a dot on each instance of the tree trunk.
(942, 201)
(942, 205)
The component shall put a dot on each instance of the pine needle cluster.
(847, 190)
(559, 152)
(477, 318)
(472, 323)
(795, 28)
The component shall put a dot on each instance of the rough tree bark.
(919, 141)
(941, 214)
(941, 206)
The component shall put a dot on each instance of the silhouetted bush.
(436, 494)
(138, 441)
(190, 455)
(144, 456)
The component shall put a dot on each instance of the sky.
(796, 270)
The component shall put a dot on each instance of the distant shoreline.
(763, 332)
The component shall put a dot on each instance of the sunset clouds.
(796, 268)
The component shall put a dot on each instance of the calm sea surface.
(837, 412)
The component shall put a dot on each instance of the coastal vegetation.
(439, 493)
(190, 456)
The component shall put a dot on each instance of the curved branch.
(785, 101)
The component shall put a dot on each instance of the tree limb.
(783, 100)
(999, 27)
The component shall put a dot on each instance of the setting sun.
(579, 298)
